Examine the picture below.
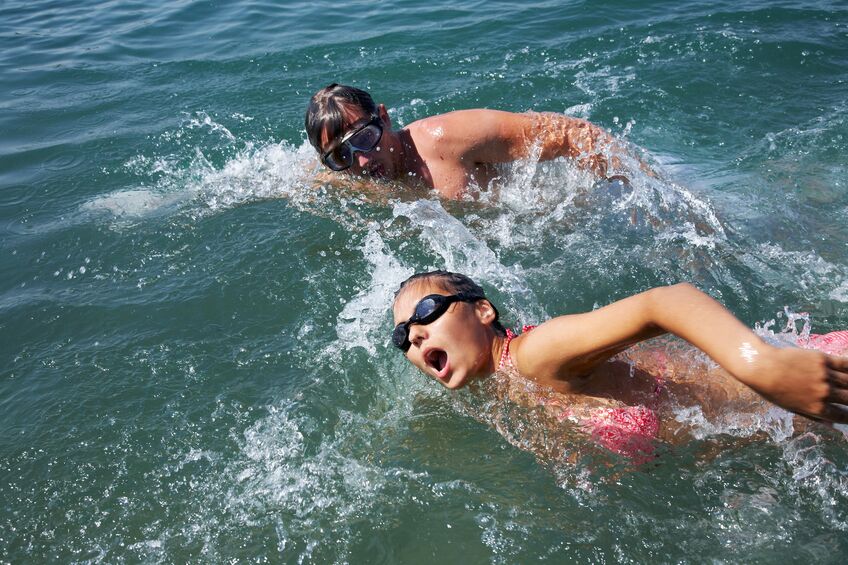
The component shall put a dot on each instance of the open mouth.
(437, 359)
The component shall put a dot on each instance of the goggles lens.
(363, 140)
(428, 310)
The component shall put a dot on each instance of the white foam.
(840, 293)
(460, 250)
(203, 120)
(580, 110)
(319, 486)
(273, 170)
(776, 422)
(190, 180)
(360, 321)
(804, 270)
(132, 203)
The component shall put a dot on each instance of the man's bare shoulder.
(461, 132)
(443, 136)
(459, 120)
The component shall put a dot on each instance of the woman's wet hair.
(454, 283)
(329, 106)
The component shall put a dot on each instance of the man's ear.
(485, 311)
(384, 115)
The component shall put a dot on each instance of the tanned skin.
(449, 152)
(569, 353)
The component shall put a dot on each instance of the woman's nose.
(417, 333)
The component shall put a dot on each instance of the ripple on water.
(217, 380)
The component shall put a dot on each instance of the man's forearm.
(589, 145)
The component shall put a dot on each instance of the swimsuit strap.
(506, 358)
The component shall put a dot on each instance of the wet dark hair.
(326, 111)
(454, 283)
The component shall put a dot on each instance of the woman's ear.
(485, 311)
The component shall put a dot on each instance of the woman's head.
(446, 326)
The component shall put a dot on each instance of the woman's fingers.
(837, 394)
(837, 376)
(838, 364)
(837, 379)
(835, 413)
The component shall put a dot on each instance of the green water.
(193, 332)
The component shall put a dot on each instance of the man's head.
(350, 132)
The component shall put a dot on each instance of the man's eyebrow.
(357, 124)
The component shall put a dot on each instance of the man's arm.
(492, 136)
(568, 347)
(590, 146)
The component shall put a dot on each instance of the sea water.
(194, 358)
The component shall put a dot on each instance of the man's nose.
(361, 159)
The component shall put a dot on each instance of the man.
(449, 151)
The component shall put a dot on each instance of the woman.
(448, 328)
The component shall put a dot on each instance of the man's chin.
(377, 173)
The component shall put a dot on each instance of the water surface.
(193, 331)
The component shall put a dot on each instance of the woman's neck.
(500, 352)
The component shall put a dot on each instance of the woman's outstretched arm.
(567, 348)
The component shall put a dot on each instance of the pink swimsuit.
(629, 430)
(834, 343)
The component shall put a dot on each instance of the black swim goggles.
(428, 310)
(362, 139)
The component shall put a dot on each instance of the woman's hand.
(803, 381)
